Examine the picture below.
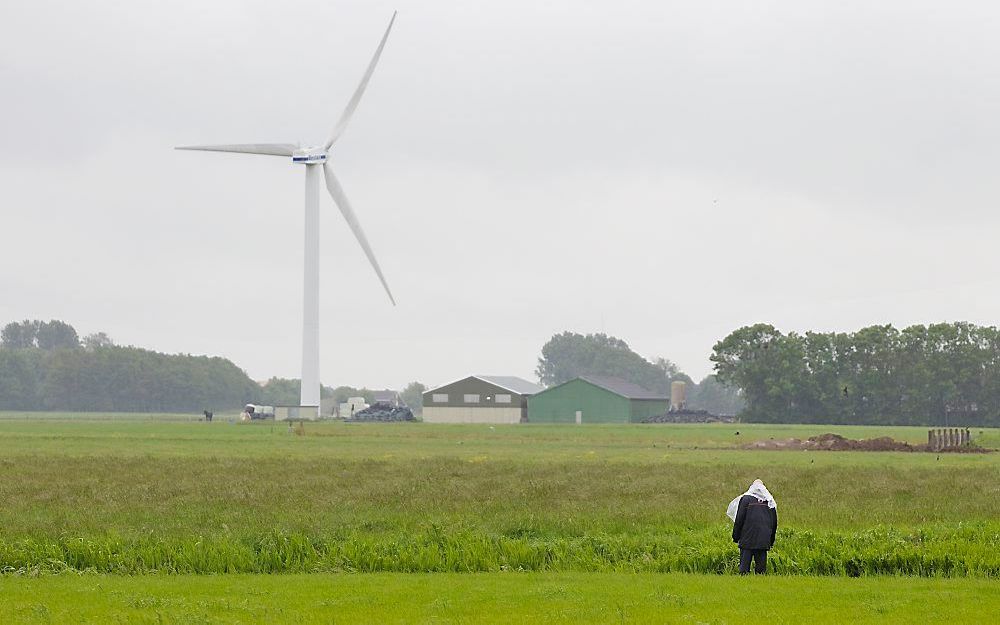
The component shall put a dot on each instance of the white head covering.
(758, 490)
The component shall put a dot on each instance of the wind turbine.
(313, 157)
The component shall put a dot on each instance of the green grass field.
(527, 598)
(112, 501)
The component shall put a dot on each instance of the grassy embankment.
(139, 496)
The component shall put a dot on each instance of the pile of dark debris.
(383, 412)
(688, 416)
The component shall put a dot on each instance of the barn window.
(440, 398)
(471, 399)
(503, 399)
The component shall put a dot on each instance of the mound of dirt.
(836, 442)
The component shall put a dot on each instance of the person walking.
(755, 522)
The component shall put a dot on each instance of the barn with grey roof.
(480, 399)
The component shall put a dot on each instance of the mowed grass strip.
(497, 598)
(177, 435)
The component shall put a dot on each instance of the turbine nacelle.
(309, 156)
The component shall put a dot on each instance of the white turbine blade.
(360, 91)
(270, 149)
(337, 193)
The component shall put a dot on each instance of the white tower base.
(310, 292)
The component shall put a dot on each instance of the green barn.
(595, 399)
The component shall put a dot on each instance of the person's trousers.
(759, 557)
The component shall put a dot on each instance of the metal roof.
(512, 383)
(622, 387)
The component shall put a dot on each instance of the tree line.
(45, 366)
(945, 374)
(939, 374)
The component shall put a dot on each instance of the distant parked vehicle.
(253, 412)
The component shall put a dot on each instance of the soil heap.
(836, 442)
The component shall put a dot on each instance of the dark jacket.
(755, 524)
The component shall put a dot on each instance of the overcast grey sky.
(662, 171)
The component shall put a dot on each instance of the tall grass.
(199, 498)
(46, 496)
(933, 551)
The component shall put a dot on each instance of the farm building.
(479, 399)
(595, 399)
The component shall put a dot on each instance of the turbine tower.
(314, 157)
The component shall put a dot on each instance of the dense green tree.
(96, 340)
(342, 393)
(20, 335)
(57, 334)
(413, 397)
(672, 372)
(715, 397)
(942, 374)
(568, 355)
(20, 379)
(767, 366)
(45, 335)
(281, 392)
(286, 392)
